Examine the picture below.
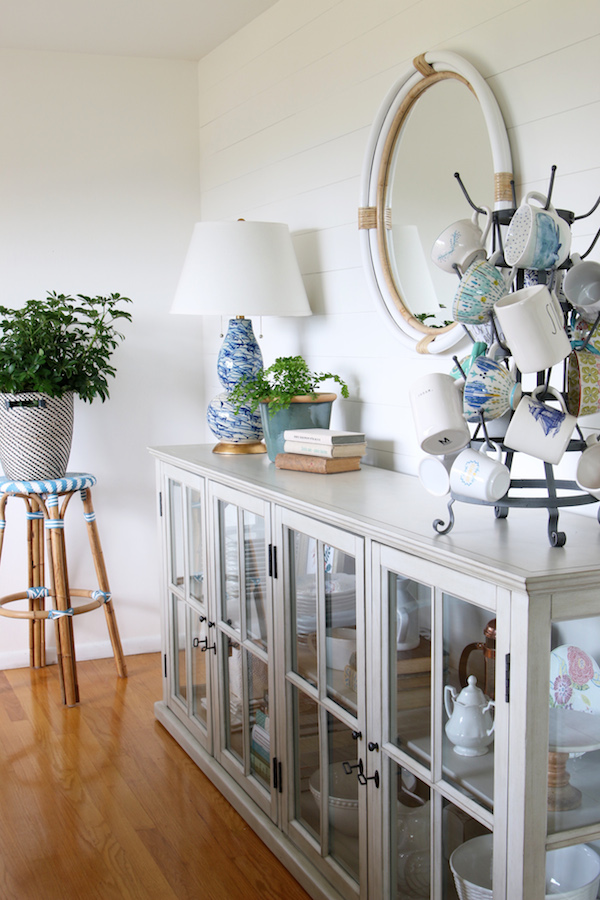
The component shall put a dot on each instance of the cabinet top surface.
(395, 508)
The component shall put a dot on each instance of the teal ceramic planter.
(303, 412)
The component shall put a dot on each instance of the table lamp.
(250, 269)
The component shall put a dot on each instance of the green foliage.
(60, 344)
(288, 377)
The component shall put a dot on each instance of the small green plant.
(61, 344)
(288, 377)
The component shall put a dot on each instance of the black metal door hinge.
(160, 503)
(507, 678)
(165, 664)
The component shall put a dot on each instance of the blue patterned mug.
(540, 430)
(537, 238)
(490, 389)
(479, 289)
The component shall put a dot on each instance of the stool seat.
(72, 481)
(45, 515)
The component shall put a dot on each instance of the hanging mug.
(537, 238)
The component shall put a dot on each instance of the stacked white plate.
(340, 591)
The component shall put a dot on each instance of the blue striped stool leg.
(101, 575)
(64, 620)
(35, 566)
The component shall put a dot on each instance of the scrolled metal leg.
(557, 538)
(439, 524)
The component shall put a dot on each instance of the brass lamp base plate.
(232, 447)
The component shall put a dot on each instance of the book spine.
(329, 450)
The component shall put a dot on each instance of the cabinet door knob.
(356, 735)
(348, 767)
(373, 746)
(362, 778)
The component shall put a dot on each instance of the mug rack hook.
(466, 193)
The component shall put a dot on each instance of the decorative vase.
(305, 411)
(36, 432)
(239, 359)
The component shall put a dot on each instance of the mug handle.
(542, 389)
(494, 448)
(509, 277)
(542, 200)
(488, 223)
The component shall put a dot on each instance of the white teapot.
(470, 726)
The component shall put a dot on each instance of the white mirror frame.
(429, 68)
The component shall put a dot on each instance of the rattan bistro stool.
(46, 503)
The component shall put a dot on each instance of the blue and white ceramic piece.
(537, 238)
(231, 426)
(490, 388)
(240, 356)
(479, 289)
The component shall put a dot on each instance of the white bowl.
(572, 873)
(343, 798)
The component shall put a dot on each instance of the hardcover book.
(320, 464)
(333, 450)
(323, 436)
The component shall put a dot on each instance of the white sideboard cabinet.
(317, 636)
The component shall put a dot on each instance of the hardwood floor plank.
(98, 801)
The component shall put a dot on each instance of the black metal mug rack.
(550, 485)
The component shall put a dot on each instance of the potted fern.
(287, 395)
(50, 351)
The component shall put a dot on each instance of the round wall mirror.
(438, 119)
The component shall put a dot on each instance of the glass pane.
(303, 595)
(255, 574)
(195, 552)
(342, 788)
(574, 744)
(306, 762)
(234, 731)
(467, 855)
(468, 739)
(410, 665)
(340, 627)
(199, 662)
(410, 829)
(260, 740)
(179, 647)
(176, 526)
(230, 564)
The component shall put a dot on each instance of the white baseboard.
(19, 659)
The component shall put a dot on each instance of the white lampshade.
(241, 268)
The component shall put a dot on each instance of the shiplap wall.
(286, 107)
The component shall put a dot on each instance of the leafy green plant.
(287, 377)
(61, 344)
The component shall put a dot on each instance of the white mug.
(460, 243)
(537, 238)
(533, 326)
(477, 476)
(581, 283)
(587, 474)
(540, 430)
(434, 473)
(436, 404)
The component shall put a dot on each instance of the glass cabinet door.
(437, 742)
(573, 759)
(327, 784)
(244, 643)
(188, 675)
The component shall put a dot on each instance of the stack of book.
(321, 450)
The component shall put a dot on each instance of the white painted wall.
(99, 183)
(99, 186)
(286, 107)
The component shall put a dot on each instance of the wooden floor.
(98, 802)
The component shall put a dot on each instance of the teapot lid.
(471, 695)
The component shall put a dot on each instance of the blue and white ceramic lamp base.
(239, 358)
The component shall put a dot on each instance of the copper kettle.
(487, 664)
